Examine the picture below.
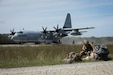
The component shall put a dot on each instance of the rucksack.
(101, 49)
(102, 52)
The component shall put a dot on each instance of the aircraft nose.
(10, 36)
(13, 37)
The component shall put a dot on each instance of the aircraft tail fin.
(67, 23)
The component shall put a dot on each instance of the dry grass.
(37, 55)
(110, 47)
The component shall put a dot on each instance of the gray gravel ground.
(89, 68)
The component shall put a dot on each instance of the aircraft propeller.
(57, 28)
(44, 30)
(12, 32)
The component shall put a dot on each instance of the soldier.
(86, 48)
(93, 46)
(72, 56)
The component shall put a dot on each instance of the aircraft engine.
(76, 33)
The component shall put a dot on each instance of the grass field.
(24, 56)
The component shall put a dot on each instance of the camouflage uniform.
(86, 49)
(72, 56)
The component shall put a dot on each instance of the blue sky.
(33, 14)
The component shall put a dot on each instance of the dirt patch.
(91, 68)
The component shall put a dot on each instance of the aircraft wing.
(70, 29)
(77, 29)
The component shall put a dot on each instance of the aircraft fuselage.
(26, 36)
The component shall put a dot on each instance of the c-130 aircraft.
(47, 36)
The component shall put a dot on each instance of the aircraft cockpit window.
(20, 32)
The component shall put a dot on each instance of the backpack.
(102, 52)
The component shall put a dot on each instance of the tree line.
(5, 40)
